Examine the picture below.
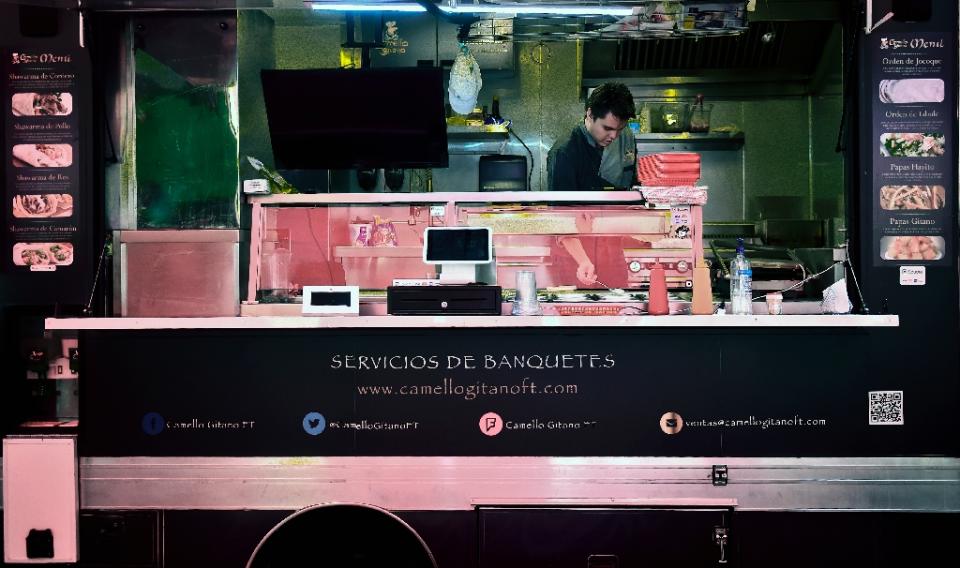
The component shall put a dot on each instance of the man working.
(600, 153)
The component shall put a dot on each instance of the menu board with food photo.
(926, 197)
(41, 104)
(38, 206)
(41, 152)
(43, 254)
(912, 127)
(42, 155)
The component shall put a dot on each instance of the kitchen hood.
(781, 53)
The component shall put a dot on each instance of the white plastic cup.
(775, 303)
(526, 303)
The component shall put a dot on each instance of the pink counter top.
(409, 322)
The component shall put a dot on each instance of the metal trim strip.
(464, 483)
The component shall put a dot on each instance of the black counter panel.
(459, 392)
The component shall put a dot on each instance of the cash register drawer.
(444, 300)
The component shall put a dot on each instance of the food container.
(360, 233)
(275, 272)
(700, 118)
(670, 117)
(382, 234)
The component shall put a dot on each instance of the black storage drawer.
(119, 538)
(599, 537)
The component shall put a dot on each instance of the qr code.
(886, 408)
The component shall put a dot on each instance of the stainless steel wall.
(542, 98)
(790, 140)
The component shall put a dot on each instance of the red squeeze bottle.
(657, 302)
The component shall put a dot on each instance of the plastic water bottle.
(741, 283)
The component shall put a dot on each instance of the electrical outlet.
(73, 355)
(720, 475)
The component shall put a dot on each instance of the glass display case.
(574, 242)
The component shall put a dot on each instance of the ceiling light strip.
(506, 8)
(359, 7)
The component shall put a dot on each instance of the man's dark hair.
(611, 97)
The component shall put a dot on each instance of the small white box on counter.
(256, 187)
(331, 300)
(416, 282)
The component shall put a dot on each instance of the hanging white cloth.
(465, 83)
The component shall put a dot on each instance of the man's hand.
(586, 273)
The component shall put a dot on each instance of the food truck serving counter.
(594, 388)
(592, 413)
(542, 426)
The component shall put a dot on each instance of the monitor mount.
(370, 26)
(451, 274)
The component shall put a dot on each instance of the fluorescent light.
(504, 8)
(532, 8)
(369, 7)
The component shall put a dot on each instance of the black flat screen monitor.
(503, 173)
(356, 118)
(457, 245)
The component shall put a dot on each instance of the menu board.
(41, 146)
(913, 183)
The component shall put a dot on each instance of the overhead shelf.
(689, 141)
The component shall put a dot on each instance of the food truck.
(292, 282)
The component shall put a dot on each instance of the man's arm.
(586, 271)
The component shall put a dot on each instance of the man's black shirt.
(574, 163)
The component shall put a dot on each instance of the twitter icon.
(314, 423)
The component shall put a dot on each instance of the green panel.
(255, 51)
(186, 151)
(776, 155)
(827, 164)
